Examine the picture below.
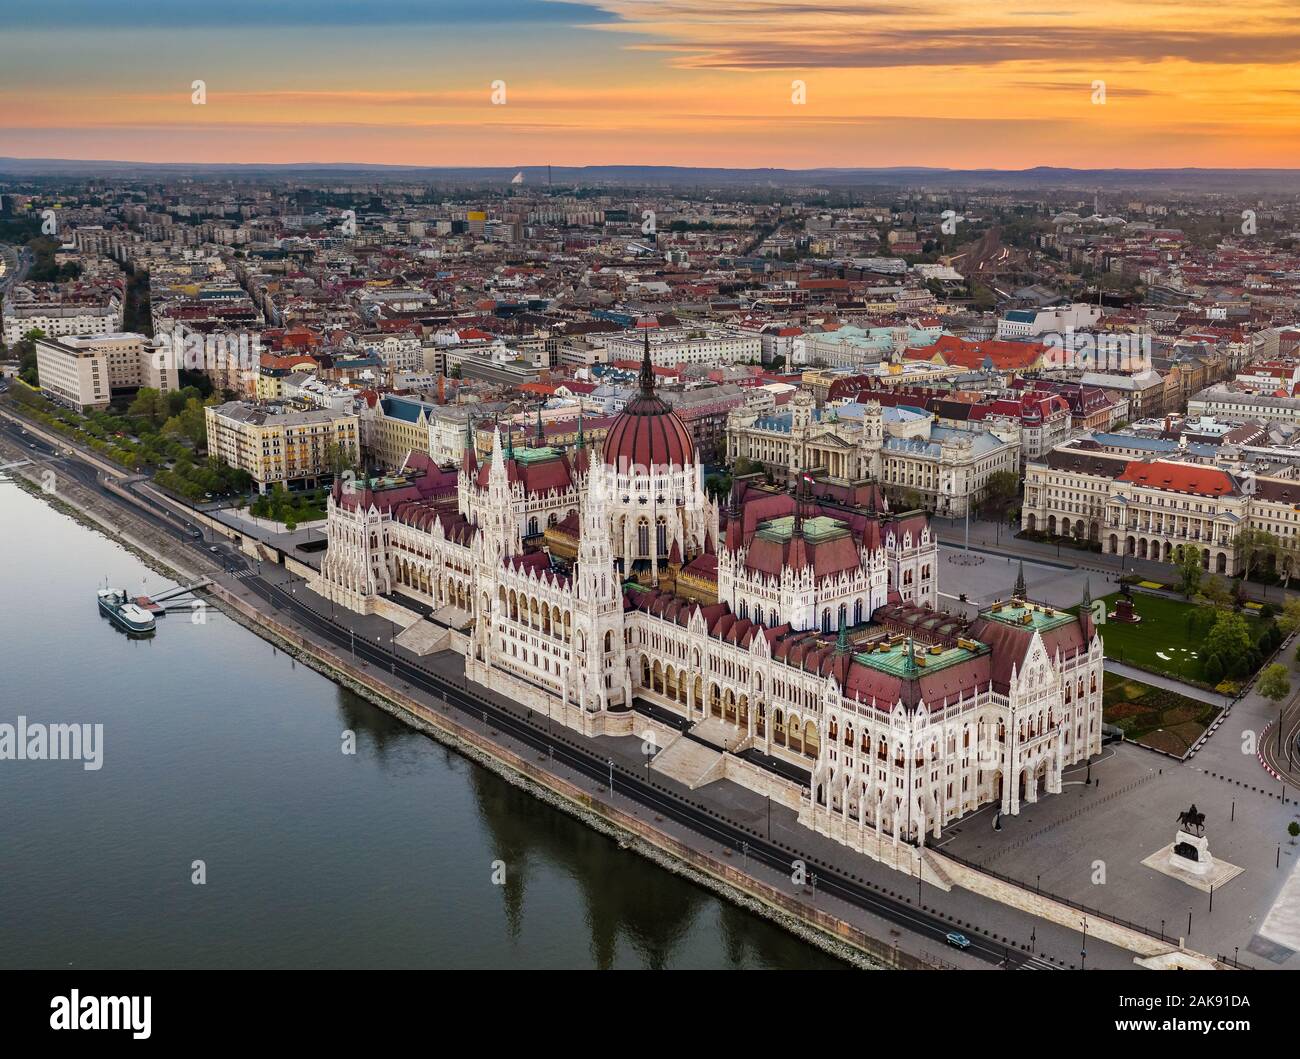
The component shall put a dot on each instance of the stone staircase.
(690, 763)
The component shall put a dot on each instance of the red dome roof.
(648, 433)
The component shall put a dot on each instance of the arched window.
(643, 538)
(826, 620)
(661, 537)
(532, 526)
(857, 613)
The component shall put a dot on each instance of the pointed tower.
(1020, 591)
(796, 559)
(1085, 612)
(581, 457)
(647, 370)
(735, 521)
(469, 458)
(540, 441)
(500, 524)
(599, 668)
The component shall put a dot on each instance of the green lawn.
(1167, 639)
(1163, 720)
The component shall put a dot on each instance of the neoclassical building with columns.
(820, 668)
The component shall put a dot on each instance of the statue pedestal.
(1204, 874)
(1124, 612)
(1191, 853)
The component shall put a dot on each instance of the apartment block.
(279, 444)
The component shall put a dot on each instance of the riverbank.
(1011, 924)
(823, 930)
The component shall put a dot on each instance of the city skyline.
(655, 83)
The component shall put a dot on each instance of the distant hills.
(1184, 179)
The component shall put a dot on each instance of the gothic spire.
(469, 460)
(1020, 591)
(647, 370)
(541, 434)
(842, 640)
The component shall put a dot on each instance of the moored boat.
(124, 613)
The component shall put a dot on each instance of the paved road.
(1281, 748)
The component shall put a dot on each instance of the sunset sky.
(959, 83)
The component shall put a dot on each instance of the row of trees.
(1263, 553)
(1233, 650)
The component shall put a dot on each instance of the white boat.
(125, 614)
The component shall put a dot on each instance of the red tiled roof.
(1180, 478)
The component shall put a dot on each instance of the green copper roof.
(895, 660)
(527, 456)
(821, 528)
(1038, 617)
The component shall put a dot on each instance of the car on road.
(957, 941)
(214, 549)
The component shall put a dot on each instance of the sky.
(955, 83)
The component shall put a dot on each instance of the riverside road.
(1000, 936)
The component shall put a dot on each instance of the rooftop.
(1025, 615)
(817, 528)
(905, 658)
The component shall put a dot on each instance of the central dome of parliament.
(648, 433)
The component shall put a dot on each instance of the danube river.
(218, 748)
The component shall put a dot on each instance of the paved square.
(1088, 844)
(984, 577)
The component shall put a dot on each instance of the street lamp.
(611, 777)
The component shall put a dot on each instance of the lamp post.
(611, 777)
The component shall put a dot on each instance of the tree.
(1188, 557)
(1229, 641)
(1274, 683)
(910, 500)
(1287, 556)
(1215, 592)
(1289, 620)
(1253, 547)
(1293, 829)
(148, 405)
(1000, 488)
(25, 352)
